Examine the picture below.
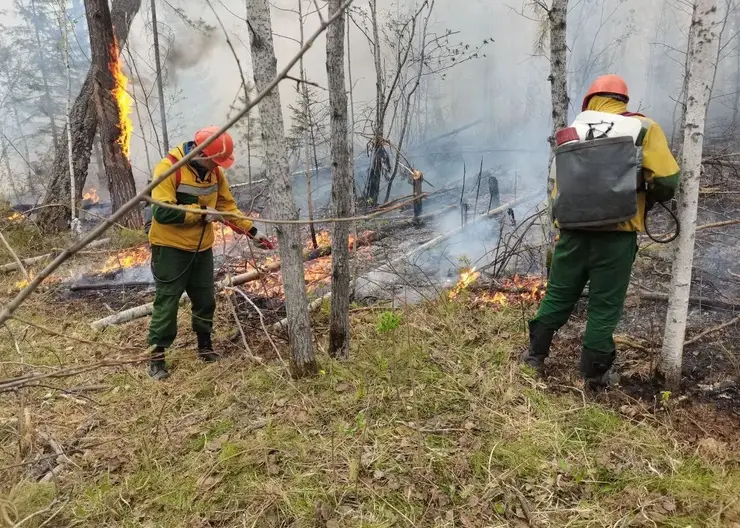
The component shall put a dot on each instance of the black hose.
(200, 242)
(672, 237)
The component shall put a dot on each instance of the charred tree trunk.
(702, 40)
(303, 359)
(379, 155)
(105, 55)
(341, 189)
(84, 121)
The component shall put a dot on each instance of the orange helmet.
(606, 84)
(220, 151)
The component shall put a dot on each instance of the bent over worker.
(611, 166)
(182, 241)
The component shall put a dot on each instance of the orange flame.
(122, 97)
(126, 259)
(91, 195)
(467, 277)
(16, 217)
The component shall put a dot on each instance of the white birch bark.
(303, 359)
(75, 225)
(341, 189)
(558, 22)
(702, 41)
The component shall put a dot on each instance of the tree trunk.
(160, 80)
(303, 359)
(702, 40)
(98, 155)
(341, 189)
(105, 55)
(376, 165)
(308, 134)
(84, 126)
(75, 225)
(558, 21)
(409, 96)
(48, 103)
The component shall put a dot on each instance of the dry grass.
(431, 423)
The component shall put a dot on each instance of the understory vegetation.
(431, 423)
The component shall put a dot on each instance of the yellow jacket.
(660, 170)
(194, 188)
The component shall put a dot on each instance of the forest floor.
(432, 422)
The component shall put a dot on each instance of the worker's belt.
(192, 190)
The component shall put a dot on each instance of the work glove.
(262, 242)
(213, 217)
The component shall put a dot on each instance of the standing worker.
(611, 167)
(182, 254)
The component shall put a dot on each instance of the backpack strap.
(178, 173)
(645, 126)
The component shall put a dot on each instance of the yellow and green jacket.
(660, 170)
(193, 187)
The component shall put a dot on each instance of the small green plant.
(664, 397)
(387, 322)
(464, 261)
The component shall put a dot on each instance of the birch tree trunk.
(703, 41)
(160, 80)
(84, 126)
(302, 359)
(75, 223)
(341, 189)
(105, 53)
(558, 22)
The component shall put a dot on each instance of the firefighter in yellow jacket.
(181, 242)
(610, 167)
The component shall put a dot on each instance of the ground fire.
(91, 195)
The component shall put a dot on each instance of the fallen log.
(146, 309)
(109, 285)
(13, 266)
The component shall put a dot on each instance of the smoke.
(188, 48)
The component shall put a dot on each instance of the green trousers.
(602, 259)
(177, 271)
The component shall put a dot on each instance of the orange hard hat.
(606, 84)
(221, 150)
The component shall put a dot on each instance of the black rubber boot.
(205, 349)
(157, 368)
(597, 369)
(540, 339)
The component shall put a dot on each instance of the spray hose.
(195, 254)
(670, 238)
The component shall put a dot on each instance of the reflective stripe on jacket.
(180, 229)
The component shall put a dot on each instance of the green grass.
(432, 423)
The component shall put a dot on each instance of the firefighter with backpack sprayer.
(181, 242)
(611, 166)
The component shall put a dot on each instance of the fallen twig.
(13, 266)
(18, 261)
(712, 330)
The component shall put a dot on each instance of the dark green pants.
(177, 271)
(602, 259)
